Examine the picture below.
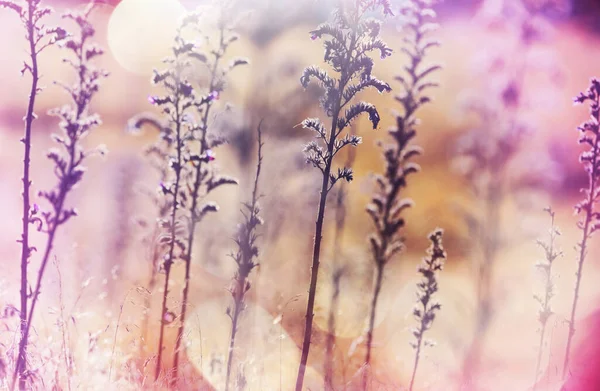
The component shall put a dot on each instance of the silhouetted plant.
(388, 203)
(590, 221)
(203, 179)
(350, 39)
(176, 105)
(426, 309)
(32, 15)
(245, 257)
(76, 123)
(550, 253)
(190, 148)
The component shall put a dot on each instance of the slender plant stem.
(426, 308)
(245, 259)
(388, 201)
(25, 249)
(151, 285)
(234, 325)
(346, 51)
(169, 261)
(416, 364)
(154, 242)
(64, 327)
(315, 264)
(36, 293)
(582, 252)
(546, 311)
(590, 136)
(334, 132)
(539, 357)
(198, 177)
(376, 292)
(42, 269)
(63, 190)
(112, 354)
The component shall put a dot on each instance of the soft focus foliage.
(481, 155)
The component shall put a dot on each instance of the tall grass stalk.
(426, 308)
(388, 204)
(204, 180)
(64, 329)
(590, 221)
(156, 156)
(76, 123)
(175, 104)
(187, 145)
(244, 257)
(349, 39)
(31, 14)
(163, 207)
(114, 342)
(545, 312)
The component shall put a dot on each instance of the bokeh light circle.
(140, 32)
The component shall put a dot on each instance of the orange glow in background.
(97, 281)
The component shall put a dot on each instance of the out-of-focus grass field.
(103, 263)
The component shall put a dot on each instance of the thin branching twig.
(114, 342)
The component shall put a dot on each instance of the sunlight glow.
(141, 31)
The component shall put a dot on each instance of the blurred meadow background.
(510, 71)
